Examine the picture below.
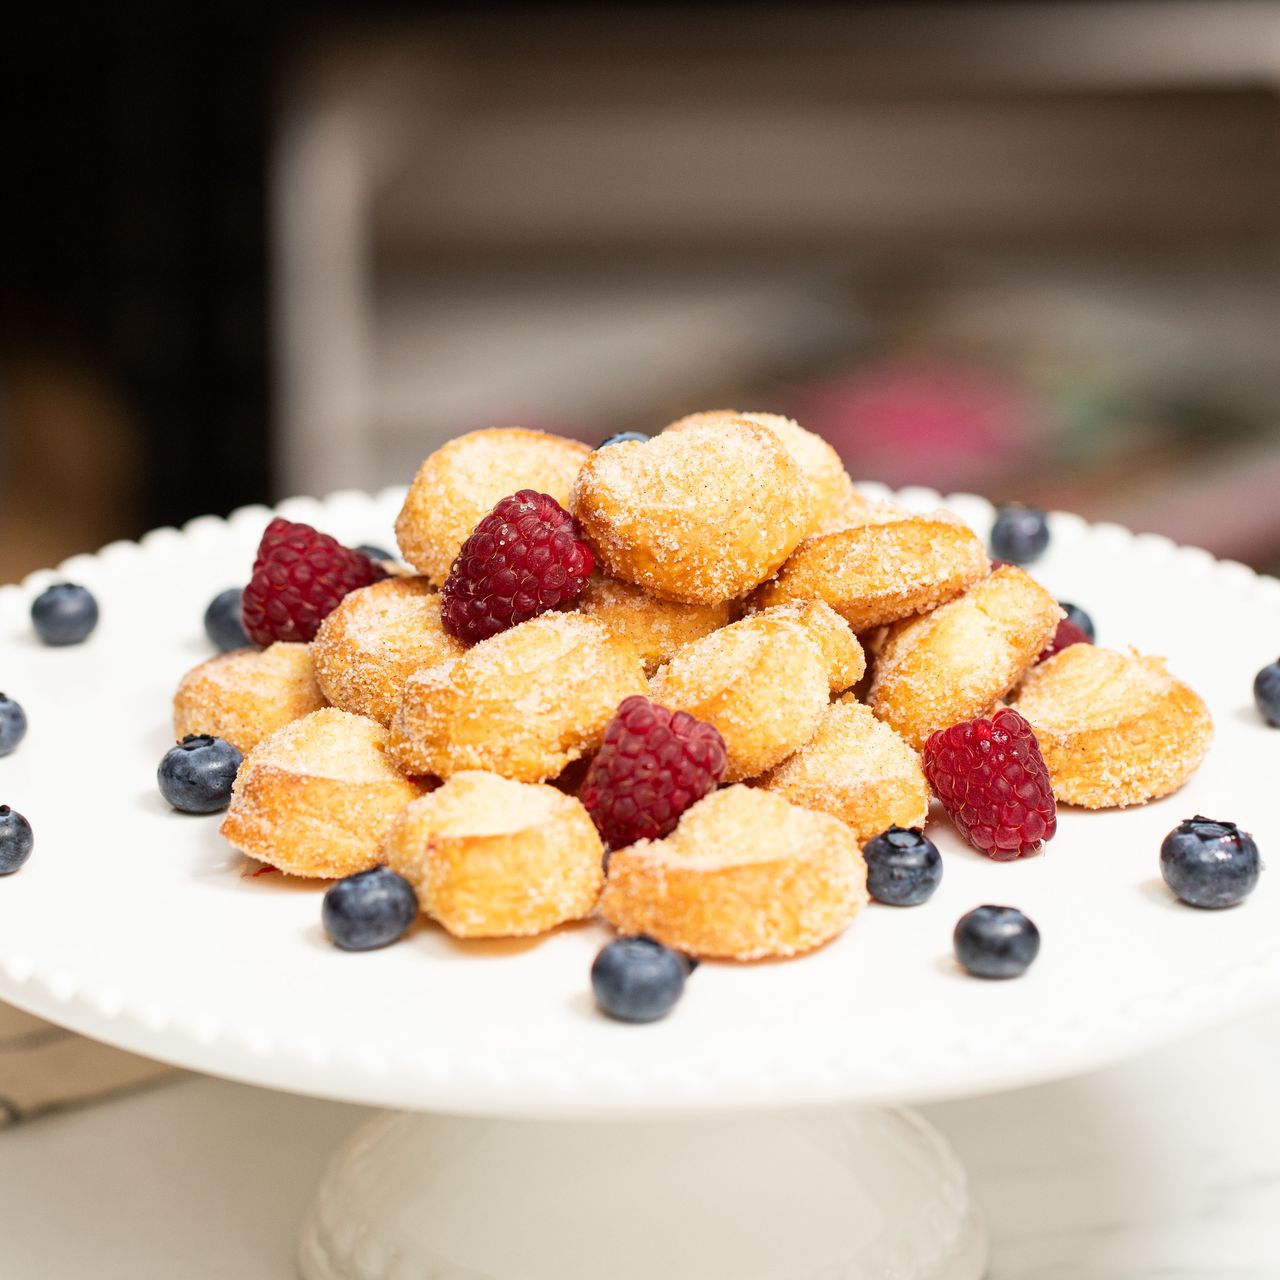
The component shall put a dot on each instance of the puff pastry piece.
(858, 770)
(701, 515)
(462, 481)
(524, 703)
(957, 662)
(375, 640)
(1114, 728)
(842, 650)
(316, 797)
(745, 875)
(832, 495)
(657, 627)
(763, 682)
(246, 694)
(891, 565)
(492, 858)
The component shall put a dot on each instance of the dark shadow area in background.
(133, 256)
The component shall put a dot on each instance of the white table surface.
(1165, 1168)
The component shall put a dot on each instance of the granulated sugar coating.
(370, 645)
(858, 770)
(745, 875)
(489, 857)
(891, 566)
(464, 480)
(316, 797)
(846, 662)
(830, 486)
(331, 744)
(957, 662)
(763, 682)
(244, 695)
(702, 514)
(524, 703)
(1114, 728)
(657, 627)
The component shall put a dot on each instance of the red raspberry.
(653, 764)
(1066, 635)
(992, 780)
(299, 577)
(525, 557)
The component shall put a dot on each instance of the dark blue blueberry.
(368, 910)
(1077, 616)
(1210, 864)
(1266, 693)
(638, 979)
(15, 840)
(623, 437)
(904, 867)
(196, 775)
(690, 962)
(222, 622)
(1020, 535)
(64, 614)
(13, 724)
(375, 553)
(996, 942)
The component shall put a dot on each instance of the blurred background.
(1023, 249)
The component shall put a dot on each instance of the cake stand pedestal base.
(850, 1194)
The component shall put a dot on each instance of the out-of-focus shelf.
(578, 353)
(481, 222)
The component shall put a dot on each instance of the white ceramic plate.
(139, 926)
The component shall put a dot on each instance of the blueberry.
(196, 775)
(904, 867)
(1266, 693)
(638, 979)
(1077, 616)
(13, 724)
(15, 840)
(64, 614)
(374, 553)
(996, 942)
(1020, 535)
(623, 437)
(1210, 864)
(222, 622)
(369, 909)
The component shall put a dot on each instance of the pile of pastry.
(738, 577)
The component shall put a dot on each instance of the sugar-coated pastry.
(244, 695)
(832, 494)
(655, 626)
(702, 514)
(463, 480)
(316, 797)
(524, 703)
(957, 662)
(846, 661)
(375, 640)
(492, 858)
(763, 682)
(891, 565)
(853, 509)
(856, 769)
(745, 875)
(1114, 728)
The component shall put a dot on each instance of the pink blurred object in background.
(933, 423)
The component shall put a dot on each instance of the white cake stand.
(748, 1135)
